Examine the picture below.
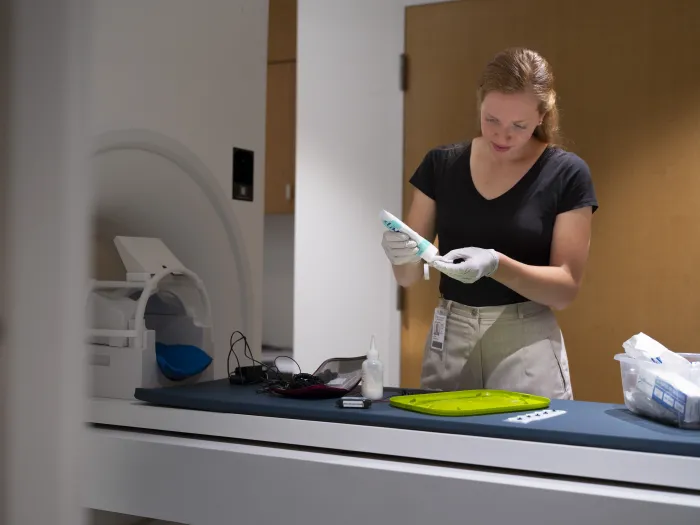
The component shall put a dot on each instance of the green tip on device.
(426, 250)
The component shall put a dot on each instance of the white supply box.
(661, 384)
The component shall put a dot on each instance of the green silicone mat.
(469, 402)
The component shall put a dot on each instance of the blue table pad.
(585, 424)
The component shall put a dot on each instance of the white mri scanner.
(207, 468)
(153, 329)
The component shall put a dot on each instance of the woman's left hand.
(471, 264)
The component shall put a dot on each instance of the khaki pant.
(518, 347)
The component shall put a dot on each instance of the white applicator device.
(426, 250)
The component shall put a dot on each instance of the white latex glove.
(400, 248)
(477, 263)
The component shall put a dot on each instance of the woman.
(512, 212)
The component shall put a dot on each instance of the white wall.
(278, 282)
(349, 167)
(195, 72)
(4, 111)
(46, 249)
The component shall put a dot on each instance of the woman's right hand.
(400, 248)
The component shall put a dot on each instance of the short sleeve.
(577, 190)
(424, 177)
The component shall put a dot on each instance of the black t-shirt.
(518, 224)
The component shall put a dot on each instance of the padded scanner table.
(219, 453)
(584, 424)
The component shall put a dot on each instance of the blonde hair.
(518, 69)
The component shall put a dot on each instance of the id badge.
(438, 333)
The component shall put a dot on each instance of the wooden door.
(282, 31)
(627, 76)
(280, 131)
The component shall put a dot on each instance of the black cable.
(228, 359)
(274, 363)
(270, 383)
(237, 376)
(297, 381)
(278, 382)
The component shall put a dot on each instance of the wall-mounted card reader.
(243, 174)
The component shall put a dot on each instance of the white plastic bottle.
(372, 375)
(426, 250)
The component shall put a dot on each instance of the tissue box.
(643, 347)
(662, 392)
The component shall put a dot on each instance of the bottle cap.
(372, 354)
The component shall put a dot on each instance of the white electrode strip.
(426, 272)
(535, 416)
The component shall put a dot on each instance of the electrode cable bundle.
(271, 378)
